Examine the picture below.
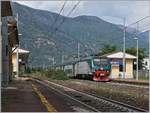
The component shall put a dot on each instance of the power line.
(69, 14)
(63, 6)
(74, 7)
(138, 21)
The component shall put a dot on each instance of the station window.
(146, 63)
(121, 68)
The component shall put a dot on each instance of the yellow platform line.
(49, 107)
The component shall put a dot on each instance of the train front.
(101, 70)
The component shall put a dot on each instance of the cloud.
(112, 11)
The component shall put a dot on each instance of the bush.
(28, 70)
(49, 73)
(56, 74)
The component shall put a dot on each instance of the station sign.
(116, 62)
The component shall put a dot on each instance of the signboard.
(116, 62)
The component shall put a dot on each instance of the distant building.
(146, 63)
(23, 60)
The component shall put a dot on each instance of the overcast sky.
(112, 11)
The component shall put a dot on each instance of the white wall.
(148, 63)
(82, 68)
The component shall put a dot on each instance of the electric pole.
(78, 50)
(137, 54)
(149, 39)
(17, 54)
(78, 56)
(124, 46)
(62, 59)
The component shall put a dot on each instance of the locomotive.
(96, 69)
(101, 71)
(91, 68)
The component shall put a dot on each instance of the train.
(96, 69)
(91, 68)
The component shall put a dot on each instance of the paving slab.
(19, 96)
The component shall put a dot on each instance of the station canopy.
(21, 51)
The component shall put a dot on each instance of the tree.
(133, 51)
(108, 49)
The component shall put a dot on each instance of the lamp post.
(137, 68)
(124, 46)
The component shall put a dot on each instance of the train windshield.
(100, 63)
(97, 62)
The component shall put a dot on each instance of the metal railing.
(143, 74)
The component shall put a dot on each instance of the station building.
(116, 61)
(23, 60)
(9, 39)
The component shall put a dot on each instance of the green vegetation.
(141, 55)
(108, 48)
(56, 74)
(48, 73)
(143, 74)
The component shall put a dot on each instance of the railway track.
(91, 101)
(129, 85)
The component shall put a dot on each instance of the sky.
(111, 11)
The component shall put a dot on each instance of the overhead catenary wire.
(61, 23)
(138, 21)
(55, 21)
(69, 14)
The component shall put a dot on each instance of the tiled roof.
(120, 55)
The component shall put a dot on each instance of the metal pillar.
(78, 57)
(149, 53)
(137, 54)
(53, 61)
(17, 62)
(17, 55)
(78, 50)
(137, 58)
(124, 37)
(62, 59)
(73, 70)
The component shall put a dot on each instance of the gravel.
(136, 96)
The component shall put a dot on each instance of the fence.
(143, 74)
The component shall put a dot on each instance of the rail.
(114, 102)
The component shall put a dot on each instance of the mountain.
(46, 40)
